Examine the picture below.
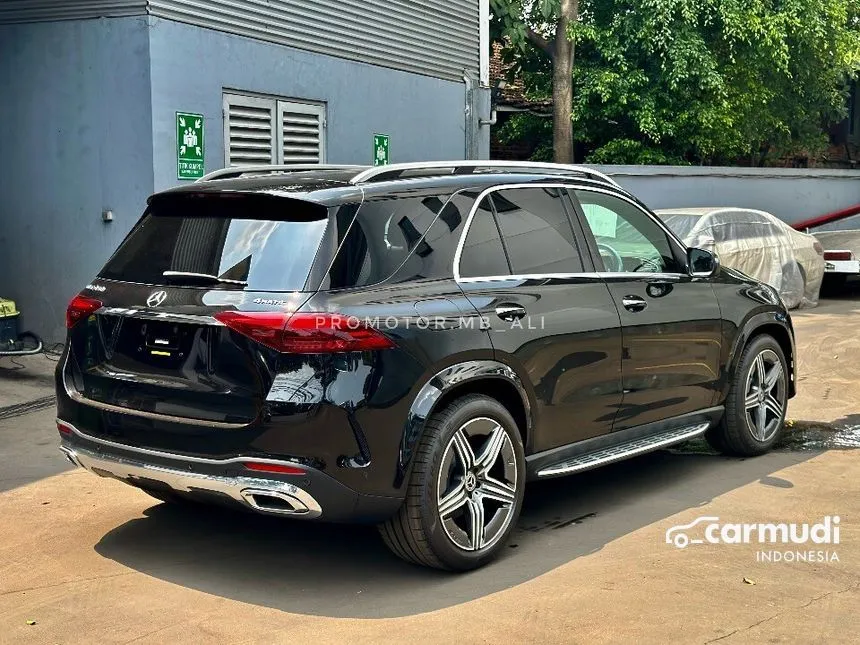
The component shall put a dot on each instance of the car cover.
(760, 246)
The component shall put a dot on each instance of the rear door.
(671, 322)
(155, 346)
(550, 316)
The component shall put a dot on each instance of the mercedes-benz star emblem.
(156, 299)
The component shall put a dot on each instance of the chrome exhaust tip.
(71, 456)
(270, 501)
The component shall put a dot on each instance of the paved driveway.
(92, 560)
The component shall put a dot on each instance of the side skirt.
(616, 446)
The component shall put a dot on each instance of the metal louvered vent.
(272, 131)
(249, 132)
(302, 133)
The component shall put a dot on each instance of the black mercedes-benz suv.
(409, 345)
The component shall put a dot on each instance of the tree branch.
(540, 42)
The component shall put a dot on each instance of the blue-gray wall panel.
(191, 66)
(76, 138)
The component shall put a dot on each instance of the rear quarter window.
(386, 234)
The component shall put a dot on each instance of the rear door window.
(269, 242)
(536, 231)
(483, 255)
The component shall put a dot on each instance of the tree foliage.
(692, 81)
(547, 25)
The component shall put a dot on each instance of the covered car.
(757, 244)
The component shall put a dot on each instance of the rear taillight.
(838, 256)
(64, 429)
(305, 333)
(81, 308)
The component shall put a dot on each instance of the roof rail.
(396, 171)
(241, 171)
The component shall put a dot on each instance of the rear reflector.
(81, 308)
(305, 333)
(838, 255)
(64, 429)
(277, 469)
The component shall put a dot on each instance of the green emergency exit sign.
(189, 145)
(381, 149)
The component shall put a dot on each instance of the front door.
(551, 317)
(670, 321)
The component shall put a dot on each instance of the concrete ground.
(89, 560)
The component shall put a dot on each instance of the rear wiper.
(188, 276)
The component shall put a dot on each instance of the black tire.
(416, 533)
(736, 434)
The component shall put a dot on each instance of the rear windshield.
(268, 242)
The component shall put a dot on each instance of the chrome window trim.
(592, 275)
(172, 455)
(531, 276)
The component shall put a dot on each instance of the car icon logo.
(156, 299)
(677, 534)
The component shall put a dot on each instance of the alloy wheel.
(477, 485)
(764, 400)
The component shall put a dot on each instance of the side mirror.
(701, 263)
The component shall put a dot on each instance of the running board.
(624, 450)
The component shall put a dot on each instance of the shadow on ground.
(346, 571)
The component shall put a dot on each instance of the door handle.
(634, 303)
(510, 313)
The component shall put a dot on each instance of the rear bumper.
(851, 267)
(261, 495)
(310, 496)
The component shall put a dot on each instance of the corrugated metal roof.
(15, 11)
(436, 38)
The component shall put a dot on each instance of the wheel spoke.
(760, 421)
(453, 500)
(759, 369)
(773, 377)
(751, 400)
(491, 450)
(774, 405)
(464, 450)
(476, 523)
(499, 491)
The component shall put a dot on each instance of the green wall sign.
(189, 146)
(381, 149)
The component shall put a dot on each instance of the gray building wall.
(87, 124)
(792, 194)
(75, 137)
(192, 66)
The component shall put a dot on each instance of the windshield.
(681, 225)
(270, 243)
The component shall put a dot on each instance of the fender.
(444, 381)
(776, 317)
